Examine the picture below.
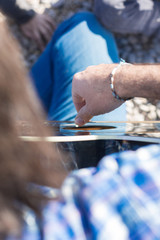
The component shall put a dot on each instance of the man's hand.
(92, 94)
(40, 29)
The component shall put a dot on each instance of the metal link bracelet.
(122, 62)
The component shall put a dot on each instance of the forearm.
(138, 80)
(92, 93)
(12, 9)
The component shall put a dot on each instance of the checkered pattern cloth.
(118, 200)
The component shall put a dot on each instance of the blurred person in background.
(129, 16)
(38, 27)
(79, 42)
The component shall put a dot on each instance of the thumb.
(83, 116)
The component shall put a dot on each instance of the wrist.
(117, 89)
(121, 83)
(138, 80)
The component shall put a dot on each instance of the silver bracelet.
(122, 62)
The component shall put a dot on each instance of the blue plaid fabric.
(118, 200)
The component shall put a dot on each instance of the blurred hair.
(21, 162)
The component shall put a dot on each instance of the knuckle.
(89, 68)
(77, 76)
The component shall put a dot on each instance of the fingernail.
(79, 121)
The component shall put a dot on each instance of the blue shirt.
(118, 200)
